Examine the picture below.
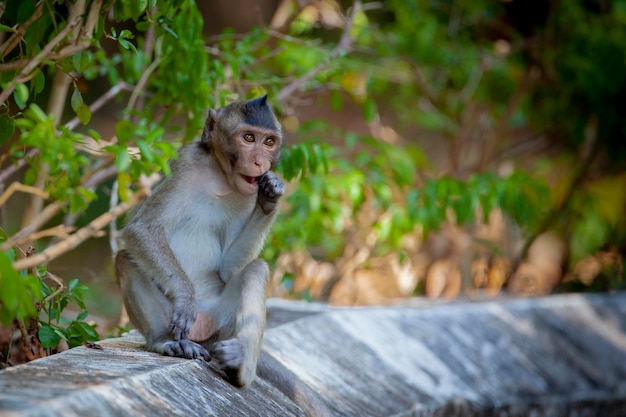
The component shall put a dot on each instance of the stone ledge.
(560, 355)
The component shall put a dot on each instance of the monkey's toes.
(228, 353)
(185, 348)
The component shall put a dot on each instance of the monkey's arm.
(149, 249)
(249, 243)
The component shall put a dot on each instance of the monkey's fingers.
(181, 323)
(271, 187)
(185, 349)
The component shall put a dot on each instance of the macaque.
(189, 272)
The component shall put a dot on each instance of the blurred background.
(433, 148)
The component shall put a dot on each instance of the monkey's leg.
(245, 294)
(151, 311)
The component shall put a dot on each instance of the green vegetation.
(523, 101)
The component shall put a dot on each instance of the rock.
(553, 356)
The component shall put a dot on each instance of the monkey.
(189, 268)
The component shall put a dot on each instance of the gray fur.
(190, 268)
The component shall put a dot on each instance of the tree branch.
(46, 53)
(344, 45)
(19, 31)
(41, 56)
(86, 232)
(588, 153)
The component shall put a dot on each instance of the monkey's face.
(257, 151)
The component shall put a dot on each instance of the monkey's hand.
(271, 188)
(182, 319)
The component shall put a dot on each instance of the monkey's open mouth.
(249, 180)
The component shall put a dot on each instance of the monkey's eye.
(270, 141)
(248, 137)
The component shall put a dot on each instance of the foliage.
(22, 296)
(472, 75)
(366, 174)
(54, 327)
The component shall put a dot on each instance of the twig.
(17, 186)
(34, 63)
(38, 221)
(141, 83)
(113, 225)
(101, 101)
(54, 208)
(60, 231)
(19, 31)
(26, 347)
(588, 153)
(101, 175)
(11, 169)
(58, 290)
(46, 53)
(84, 233)
(285, 14)
(148, 49)
(343, 46)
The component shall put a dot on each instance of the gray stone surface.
(123, 379)
(556, 356)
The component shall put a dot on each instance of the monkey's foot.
(184, 348)
(229, 355)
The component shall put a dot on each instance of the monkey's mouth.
(249, 180)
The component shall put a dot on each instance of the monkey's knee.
(257, 270)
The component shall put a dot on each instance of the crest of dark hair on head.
(256, 112)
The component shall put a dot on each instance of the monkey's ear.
(209, 127)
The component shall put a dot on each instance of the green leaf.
(37, 114)
(146, 152)
(127, 45)
(7, 128)
(336, 100)
(369, 109)
(38, 82)
(48, 337)
(84, 114)
(18, 294)
(124, 130)
(81, 61)
(126, 34)
(77, 100)
(25, 10)
(123, 183)
(86, 331)
(20, 95)
(73, 285)
(122, 160)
